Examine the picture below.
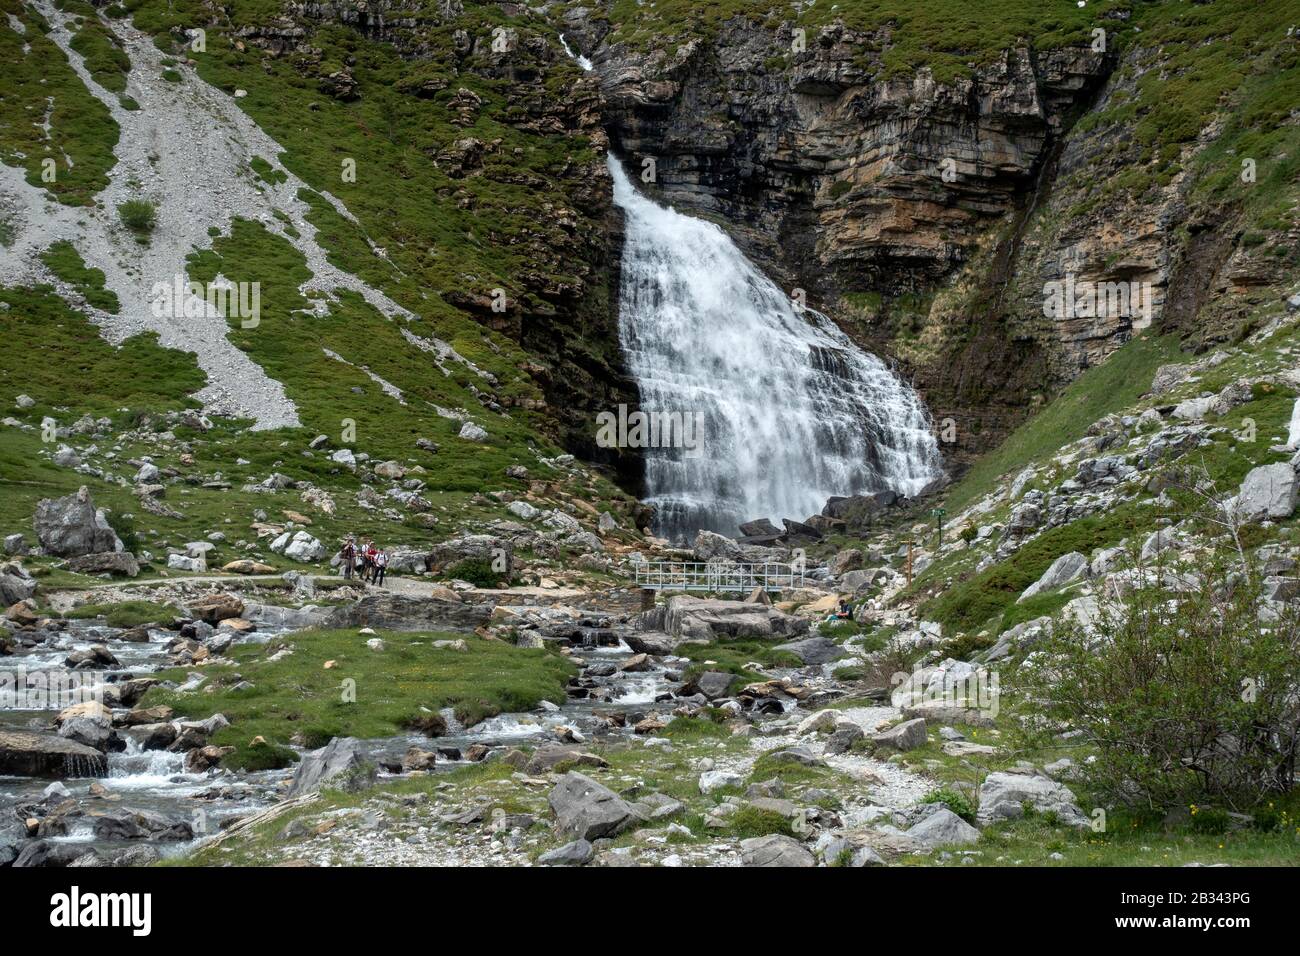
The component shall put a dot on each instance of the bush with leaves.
(477, 571)
(1181, 697)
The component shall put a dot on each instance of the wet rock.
(417, 758)
(154, 736)
(204, 758)
(714, 684)
(760, 528)
(683, 616)
(655, 643)
(96, 655)
(50, 853)
(127, 824)
(215, 608)
(27, 754)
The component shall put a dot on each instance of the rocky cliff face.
(938, 222)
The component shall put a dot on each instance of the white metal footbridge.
(698, 576)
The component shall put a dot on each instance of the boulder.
(847, 560)
(775, 850)
(482, 546)
(710, 546)
(52, 853)
(26, 754)
(247, 566)
(305, 548)
(577, 853)
(105, 562)
(684, 616)
(814, 650)
(339, 764)
(125, 824)
(1064, 570)
(15, 584)
(760, 528)
(1002, 796)
(843, 738)
(908, 735)
(943, 828)
(1268, 492)
(799, 531)
(183, 562)
(586, 810)
(71, 526)
(714, 684)
(214, 608)
(712, 780)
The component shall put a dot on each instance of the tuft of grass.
(126, 613)
(756, 822)
(138, 215)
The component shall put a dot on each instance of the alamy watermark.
(55, 689)
(978, 689)
(1083, 299)
(656, 429)
(182, 299)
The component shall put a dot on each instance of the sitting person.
(843, 613)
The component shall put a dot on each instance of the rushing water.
(791, 410)
(157, 781)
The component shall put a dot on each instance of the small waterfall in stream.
(792, 411)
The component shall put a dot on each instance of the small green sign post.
(938, 514)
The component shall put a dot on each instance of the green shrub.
(138, 215)
(954, 801)
(477, 571)
(1183, 699)
(1209, 820)
(754, 822)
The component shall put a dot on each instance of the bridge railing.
(699, 576)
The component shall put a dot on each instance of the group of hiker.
(364, 560)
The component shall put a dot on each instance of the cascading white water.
(793, 411)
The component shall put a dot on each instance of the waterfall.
(792, 411)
